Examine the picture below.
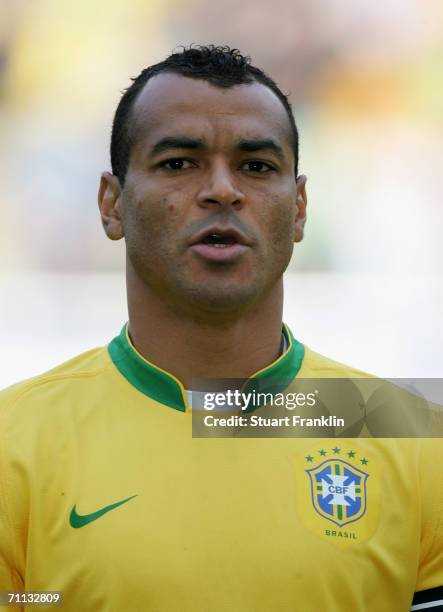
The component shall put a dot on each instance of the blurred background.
(365, 80)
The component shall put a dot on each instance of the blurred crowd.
(364, 79)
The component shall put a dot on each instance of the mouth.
(217, 244)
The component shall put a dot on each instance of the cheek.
(279, 224)
(146, 229)
(148, 218)
(169, 207)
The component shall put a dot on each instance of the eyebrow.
(177, 142)
(260, 144)
(249, 145)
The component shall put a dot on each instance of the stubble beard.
(217, 297)
(210, 291)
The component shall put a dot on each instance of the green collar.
(166, 389)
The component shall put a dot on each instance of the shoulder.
(315, 365)
(72, 373)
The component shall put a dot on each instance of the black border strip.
(428, 596)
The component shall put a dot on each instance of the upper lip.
(223, 232)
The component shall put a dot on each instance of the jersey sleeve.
(10, 576)
(429, 586)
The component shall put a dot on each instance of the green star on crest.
(322, 452)
(336, 450)
(351, 454)
(309, 458)
(364, 461)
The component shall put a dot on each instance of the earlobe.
(301, 204)
(109, 203)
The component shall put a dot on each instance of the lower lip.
(228, 253)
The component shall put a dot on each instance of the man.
(104, 493)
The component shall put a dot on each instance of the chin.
(223, 297)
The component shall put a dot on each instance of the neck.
(222, 346)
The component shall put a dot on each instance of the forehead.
(170, 103)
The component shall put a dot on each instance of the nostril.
(214, 201)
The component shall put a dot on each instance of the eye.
(259, 167)
(177, 163)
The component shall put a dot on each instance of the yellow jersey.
(107, 497)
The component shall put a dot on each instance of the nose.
(220, 187)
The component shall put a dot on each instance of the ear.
(301, 203)
(110, 204)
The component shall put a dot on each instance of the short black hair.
(221, 66)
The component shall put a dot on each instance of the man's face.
(210, 208)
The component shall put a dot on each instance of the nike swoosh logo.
(78, 520)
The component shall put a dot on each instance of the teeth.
(219, 245)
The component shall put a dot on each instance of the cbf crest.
(338, 491)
